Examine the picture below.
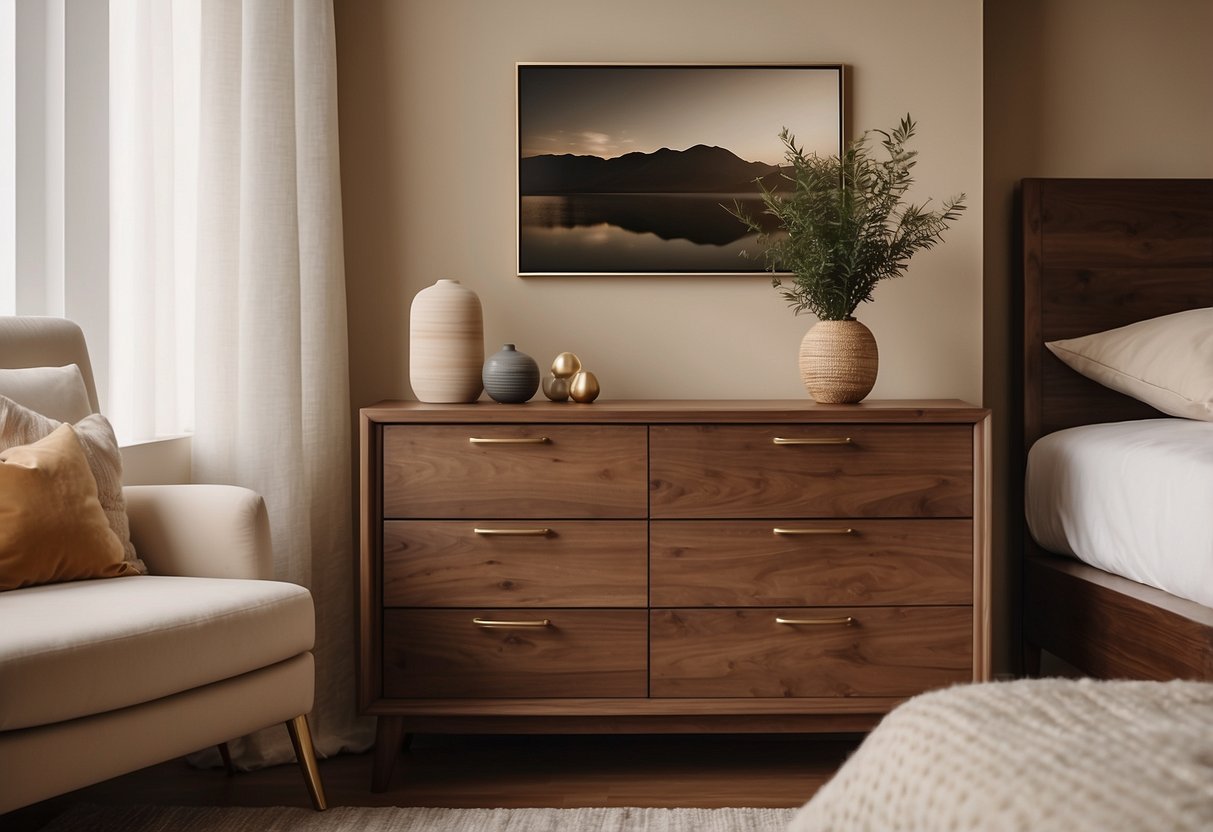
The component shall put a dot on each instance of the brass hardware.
(566, 365)
(532, 440)
(515, 532)
(556, 388)
(583, 387)
(301, 738)
(827, 440)
(485, 622)
(813, 531)
(845, 622)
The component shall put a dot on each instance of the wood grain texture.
(802, 721)
(1031, 349)
(743, 563)
(679, 411)
(693, 709)
(1111, 627)
(441, 653)
(730, 471)
(1079, 301)
(582, 471)
(1070, 399)
(1100, 254)
(468, 684)
(1076, 302)
(887, 651)
(983, 536)
(578, 563)
(369, 576)
(1117, 222)
(389, 732)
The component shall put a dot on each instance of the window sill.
(164, 460)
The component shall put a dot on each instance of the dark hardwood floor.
(509, 771)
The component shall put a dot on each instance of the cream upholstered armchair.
(102, 677)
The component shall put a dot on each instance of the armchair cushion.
(211, 531)
(89, 647)
(52, 527)
(22, 426)
(57, 392)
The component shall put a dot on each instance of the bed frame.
(1098, 254)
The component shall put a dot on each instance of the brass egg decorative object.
(556, 388)
(584, 387)
(566, 365)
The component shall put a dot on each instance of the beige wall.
(1078, 88)
(428, 158)
(1071, 88)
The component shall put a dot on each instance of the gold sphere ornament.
(566, 365)
(584, 387)
(556, 388)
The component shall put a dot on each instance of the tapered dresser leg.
(1031, 659)
(388, 735)
(226, 754)
(301, 738)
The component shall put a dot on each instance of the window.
(98, 159)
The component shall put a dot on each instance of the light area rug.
(347, 819)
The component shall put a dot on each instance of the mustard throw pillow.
(52, 527)
(22, 426)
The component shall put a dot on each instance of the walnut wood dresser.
(654, 566)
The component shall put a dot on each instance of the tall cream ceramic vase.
(446, 344)
(838, 361)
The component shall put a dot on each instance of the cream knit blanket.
(1045, 755)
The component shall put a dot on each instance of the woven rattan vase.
(838, 361)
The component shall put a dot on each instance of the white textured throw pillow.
(1045, 755)
(57, 392)
(1165, 362)
(22, 426)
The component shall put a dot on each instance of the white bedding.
(1132, 498)
(1036, 755)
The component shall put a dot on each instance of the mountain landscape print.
(627, 169)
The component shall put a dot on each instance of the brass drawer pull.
(817, 622)
(522, 440)
(813, 531)
(485, 622)
(826, 440)
(515, 532)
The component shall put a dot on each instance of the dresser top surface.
(648, 411)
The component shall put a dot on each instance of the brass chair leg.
(301, 738)
(226, 754)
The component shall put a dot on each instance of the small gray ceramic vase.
(510, 376)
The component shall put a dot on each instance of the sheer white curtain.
(271, 387)
(154, 64)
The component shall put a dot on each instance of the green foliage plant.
(846, 225)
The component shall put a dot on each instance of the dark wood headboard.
(1098, 254)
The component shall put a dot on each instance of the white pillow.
(56, 392)
(1165, 362)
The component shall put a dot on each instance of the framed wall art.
(625, 169)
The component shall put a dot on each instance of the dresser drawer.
(757, 563)
(507, 563)
(523, 471)
(580, 653)
(824, 470)
(886, 651)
